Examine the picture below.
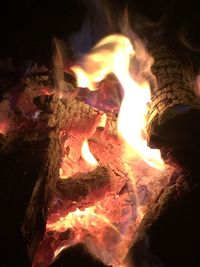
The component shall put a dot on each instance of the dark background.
(28, 26)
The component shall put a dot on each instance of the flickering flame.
(102, 122)
(87, 154)
(131, 127)
(80, 219)
(113, 54)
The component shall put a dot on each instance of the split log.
(77, 256)
(175, 108)
(169, 233)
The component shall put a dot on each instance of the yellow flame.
(113, 54)
(102, 122)
(3, 127)
(80, 219)
(101, 60)
(87, 154)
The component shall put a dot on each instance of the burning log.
(80, 190)
(77, 256)
(30, 155)
(68, 115)
(80, 185)
(29, 169)
(169, 232)
(175, 108)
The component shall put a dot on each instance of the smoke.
(174, 21)
(96, 25)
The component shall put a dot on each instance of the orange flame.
(113, 54)
(87, 155)
(3, 127)
(80, 219)
(102, 122)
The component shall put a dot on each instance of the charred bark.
(77, 256)
(29, 168)
(30, 154)
(169, 233)
(175, 108)
(80, 191)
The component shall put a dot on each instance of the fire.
(102, 122)
(3, 128)
(81, 219)
(87, 154)
(114, 54)
(108, 226)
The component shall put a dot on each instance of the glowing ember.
(87, 155)
(3, 128)
(80, 219)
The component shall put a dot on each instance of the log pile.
(45, 133)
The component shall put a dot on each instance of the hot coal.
(80, 191)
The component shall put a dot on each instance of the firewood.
(80, 191)
(77, 256)
(169, 233)
(68, 115)
(29, 169)
(175, 108)
(80, 185)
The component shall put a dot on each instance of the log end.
(176, 133)
(176, 126)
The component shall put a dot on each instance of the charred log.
(169, 233)
(77, 256)
(30, 156)
(80, 185)
(29, 167)
(175, 108)
(80, 191)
